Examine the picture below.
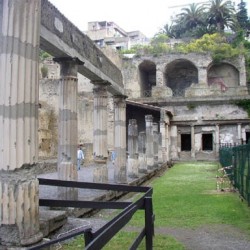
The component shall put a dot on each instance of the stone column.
(19, 61)
(100, 124)
(174, 146)
(67, 127)
(192, 142)
(155, 143)
(132, 149)
(142, 159)
(149, 142)
(100, 121)
(159, 77)
(160, 152)
(120, 174)
(168, 141)
(239, 134)
(202, 76)
(217, 139)
(163, 140)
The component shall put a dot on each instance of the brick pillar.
(149, 142)
(67, 127)
(120, 175)
(132, 149)
(19, 49)
(100, 124)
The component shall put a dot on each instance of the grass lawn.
(185, 197)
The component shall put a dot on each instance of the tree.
(221, 14)
(242, 16)
(193, 16)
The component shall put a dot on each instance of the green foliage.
(245, 104)
(44, 71)
(242, 17)
(157, 46)
(159, 39)
(43, 55)
(215, 44)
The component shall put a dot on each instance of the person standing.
(80, 157)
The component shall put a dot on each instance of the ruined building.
(149, 110)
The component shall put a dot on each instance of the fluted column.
(132, 149)
(149, 142)
(19, 49)
(120, 174)
(100, 147)
(67, 127)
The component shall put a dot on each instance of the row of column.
(146, 149)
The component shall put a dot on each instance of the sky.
(147, 16)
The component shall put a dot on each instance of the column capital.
(68, 66)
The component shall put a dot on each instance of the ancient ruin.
(150, 110)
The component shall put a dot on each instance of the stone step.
(51, 220)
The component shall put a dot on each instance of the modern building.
(105, 33)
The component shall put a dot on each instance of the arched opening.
(223, 76)
(179, 75)
(147, 73)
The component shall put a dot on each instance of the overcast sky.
(148, 16)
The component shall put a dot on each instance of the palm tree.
(221, 14)
(193, 16)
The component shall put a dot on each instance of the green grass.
(124, 240)
(186, 197)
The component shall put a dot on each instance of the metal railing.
(98, 239)
(236, 161)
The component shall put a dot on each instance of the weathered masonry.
(201, 95)
(26, 25)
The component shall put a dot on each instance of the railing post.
(88, 237)
(149, 223)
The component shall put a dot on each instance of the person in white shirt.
(80, 157)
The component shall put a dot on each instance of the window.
(247, 137)
(207, 142)
(185, 142)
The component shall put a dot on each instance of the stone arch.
(223, 76)
(179, 75)
(147, 77)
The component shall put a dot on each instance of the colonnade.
(19, 102)
(148, 149)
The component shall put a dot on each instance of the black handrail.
(96, 240)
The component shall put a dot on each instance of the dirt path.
(215, 237)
